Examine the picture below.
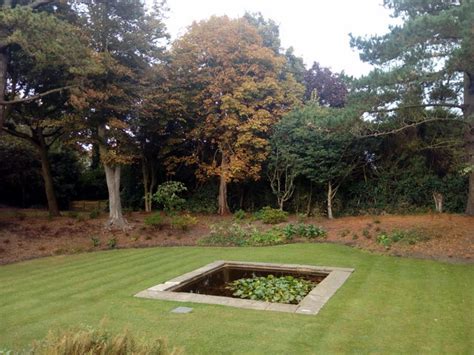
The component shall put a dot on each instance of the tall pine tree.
(433, 49)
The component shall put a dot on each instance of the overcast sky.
(318, 30)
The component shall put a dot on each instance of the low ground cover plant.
(154, 220)
(183, 222)
(309, 231)
(410, 237)
(240, 215)
(284, 289)
(240, 235)
(265, 238)
(95, 241)
(270, 215)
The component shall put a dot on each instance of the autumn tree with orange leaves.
(235, 89)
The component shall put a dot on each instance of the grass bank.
(389, 304)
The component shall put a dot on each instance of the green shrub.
(240, 214)
(168, 196)
(154, 220)
(385, 240)
(235, 234)
(269, 237)
(311, 231)
(302, 230)
(95, 241)
(289, 231)
(270, 215)
(112, 243)
(284, 289)
(404, 236)
(225, 234)
(95, 342)
(183, 222)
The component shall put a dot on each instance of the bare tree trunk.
(47, 177)
(153, 183)
(330, 196)
(469, 136)
(308, 206)
(241, 198)
(3, 84)
(438, 199)
(223, 207)
(112, 176)
(146, 185)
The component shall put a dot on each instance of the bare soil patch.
(30, 234)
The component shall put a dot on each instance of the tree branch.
(37, 3)
(20, 135)
(35, 97)
(399, 129)
(417, 106)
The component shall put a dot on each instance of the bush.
(224, 234)
(95, 342)
(154, 220)
(302, 230)
(269, 237)
(385, 240)
(270, 215)
(112, 243)
(168, 195)
(183, 222)
(284, 289)
(289, 231)
(240, 214)
(95, 241)
(404, 236)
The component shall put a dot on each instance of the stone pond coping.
(310, 305)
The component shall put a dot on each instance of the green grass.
(389, 305)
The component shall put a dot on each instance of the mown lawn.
(389, 304)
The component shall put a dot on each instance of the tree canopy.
(432, 50)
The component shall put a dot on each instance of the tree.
(41, 56)
(156, 128)
(29, 29)
(320, 146)
(329, 87)
(233, 93)
(129, 41)
(432, 49)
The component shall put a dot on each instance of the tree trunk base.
(118, 224)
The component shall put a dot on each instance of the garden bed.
(27, 234)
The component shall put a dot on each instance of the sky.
(318, 30)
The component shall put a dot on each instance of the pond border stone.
(310, 305)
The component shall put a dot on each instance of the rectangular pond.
(208, 285)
